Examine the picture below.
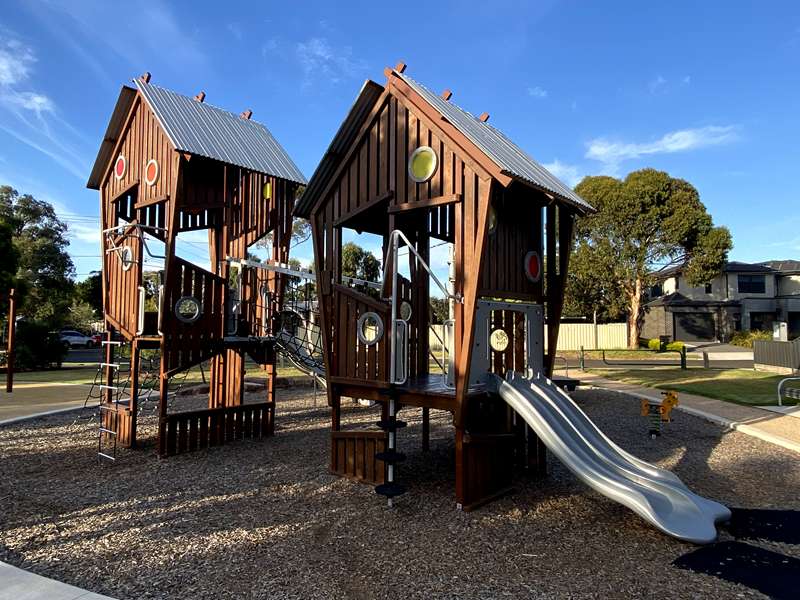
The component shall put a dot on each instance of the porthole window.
(405, 310)
(492, 220)
(369, 328)
(533, 266)
(498, 340)
(422, 164)
(120, 167)
(126, 257)
(151, 172)
(266, 191)
(187, 309)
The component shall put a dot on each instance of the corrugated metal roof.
(101, 163)
(511, 159)
(205, 130)
(370, 92)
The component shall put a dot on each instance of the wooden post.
(426, 429)
(134, 389)
(12, 328)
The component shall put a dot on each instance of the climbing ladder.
(114, 391)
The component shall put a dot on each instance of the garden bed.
(266, 519)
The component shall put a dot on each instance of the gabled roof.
(205, 130)
(512, 159)
(124, 102)
(729, 267)
(509, 157)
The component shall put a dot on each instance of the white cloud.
(319, 58)
(85, 233)
(537, 92)
(569, 174)
(687, 80)
(613, 152)
(16, 61)
(656, 85)
(32, 101)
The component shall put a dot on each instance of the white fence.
(571, 336)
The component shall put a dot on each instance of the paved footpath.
(770, 426)
(16, 584)
(34, 398)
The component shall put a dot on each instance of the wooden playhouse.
(410, 166)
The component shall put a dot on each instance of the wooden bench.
(792, 393)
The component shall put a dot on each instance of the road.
(84, 355)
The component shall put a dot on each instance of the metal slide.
(657, 495)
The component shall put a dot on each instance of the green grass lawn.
(629, 355)
(742, 386)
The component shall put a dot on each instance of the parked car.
(75, 339)
(97, 339)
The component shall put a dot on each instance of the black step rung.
(390, 457)
(390, 490)
(391, 426)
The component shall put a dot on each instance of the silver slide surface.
(655, 494)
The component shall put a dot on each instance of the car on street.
(75, 339)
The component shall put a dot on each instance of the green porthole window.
(422, 164)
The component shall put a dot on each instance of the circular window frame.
(125, 255)
(378, 326)
(181, 317)
(124, 166)
(404, 304)
(154, 180)
(266, 190)
(420, 150)
(528, 257)
(492, 339)
(493, 220)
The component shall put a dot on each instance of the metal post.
(12, 318)
(683, 358)
(581, 362)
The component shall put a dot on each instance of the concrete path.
(776, 428)
(31, 399)
(16, 584)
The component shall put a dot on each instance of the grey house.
(743, 296)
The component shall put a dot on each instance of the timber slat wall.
(187, 344)
(122, 299)
(195, 430)
(353, 360)
(353, 455)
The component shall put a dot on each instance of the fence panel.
(781, 356)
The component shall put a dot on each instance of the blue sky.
(706, 91)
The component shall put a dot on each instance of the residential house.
(743, 296)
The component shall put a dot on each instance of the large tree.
(90, 291)
(644, 224)
(358, 263)
(45, 270)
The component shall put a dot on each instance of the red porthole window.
(151, 172)
(120, 167)
(533, 266)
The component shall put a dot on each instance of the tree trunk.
(635, 315)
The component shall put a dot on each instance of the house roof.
(205, 130)
(678, 299)
(509, 157)
(730, 267)
(345, 136)
(784, 266)
(124, 102)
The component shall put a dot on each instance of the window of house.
(657, 290)
(761, 321)
(752, 284)
(708, 288)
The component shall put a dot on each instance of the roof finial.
(484, 117)
(447, 94)
(246, 114)
(200, 97)
(400, 67)
(145, 77)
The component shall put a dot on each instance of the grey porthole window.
(369, 328)
(405, 310)
(126, 258)
(187, 309)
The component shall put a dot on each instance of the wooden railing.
(354, 361)
(195, 430)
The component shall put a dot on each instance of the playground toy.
(171, 164)
(659, 411)
(411, 167)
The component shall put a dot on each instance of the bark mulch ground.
(259, 519)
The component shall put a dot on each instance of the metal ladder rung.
(104, 455)
(103, 386)
(111, 342)
(104, 430)
(114, 365)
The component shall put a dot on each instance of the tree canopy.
(644, 224)
(44, 269)
(358, 263)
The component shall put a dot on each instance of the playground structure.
(415, 170)
(171, 164)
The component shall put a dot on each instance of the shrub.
(37, 347)
(655, 344)
(676, 346)
(746, 338)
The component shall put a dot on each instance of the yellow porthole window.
(266, 191)
(422, 164)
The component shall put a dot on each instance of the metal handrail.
(780, 388)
